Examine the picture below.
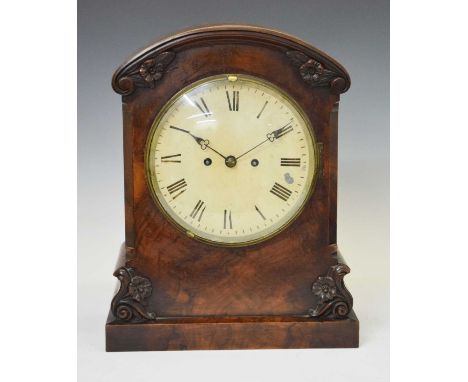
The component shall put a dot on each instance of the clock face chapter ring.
(231, 160)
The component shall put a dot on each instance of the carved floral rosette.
(333, 300)
(315, 74)
(144, 74)
(129, 302)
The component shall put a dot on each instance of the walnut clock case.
(230, 160)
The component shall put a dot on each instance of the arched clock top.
(148, 66)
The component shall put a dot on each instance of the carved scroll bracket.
(129, 302)
(333, 299)
(315, 74)
(143, 74)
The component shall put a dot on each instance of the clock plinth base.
(214, 333)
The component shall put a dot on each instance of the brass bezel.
(150, 176)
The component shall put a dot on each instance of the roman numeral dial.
(199, 209)
(201, 104)
(296, 162)
(177, 188)
(225, 171)
(227, 219)
(171, 158)
(233, 100)
(281, 191)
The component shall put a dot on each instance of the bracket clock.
(230, 161)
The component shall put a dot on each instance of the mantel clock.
(230, 161)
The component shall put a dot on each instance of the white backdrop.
(358, 37)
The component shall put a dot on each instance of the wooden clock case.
(178, 293)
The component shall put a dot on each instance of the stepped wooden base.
(204, 333)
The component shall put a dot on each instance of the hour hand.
(280, 132)
(202, 142)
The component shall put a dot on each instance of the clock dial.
(231, 160)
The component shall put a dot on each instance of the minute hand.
(280, 132)
(271, 137)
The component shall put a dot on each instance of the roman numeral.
(280, 191)
(260, 213)
(197, 209)
(171, 158)
(263, 108)
(180, 186)
(291, 162)
(227, 219)
(204, 109)
(234, 106)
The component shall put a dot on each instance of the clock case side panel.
(190, 278)
(128, 181)
(333, 173)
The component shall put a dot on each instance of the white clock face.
(231, 160)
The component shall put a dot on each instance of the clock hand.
(261, 143)
(272, 136)
(280, 132)
(204, 143)
(212, 149)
